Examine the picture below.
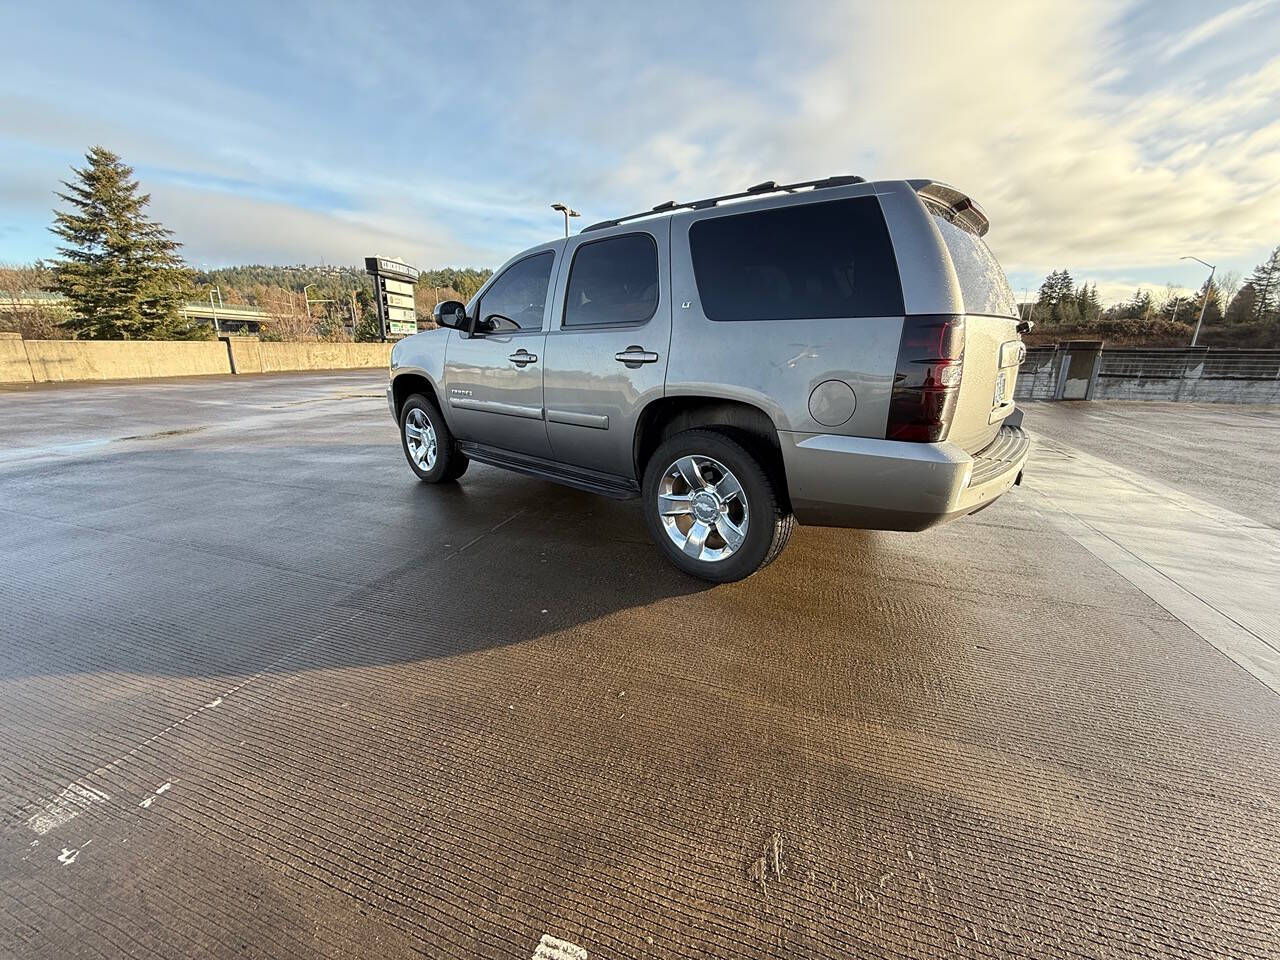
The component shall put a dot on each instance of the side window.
(811, 261)
(613, 281)
(516, 300)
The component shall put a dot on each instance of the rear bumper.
(837, 481)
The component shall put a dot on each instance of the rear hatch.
(992, 345)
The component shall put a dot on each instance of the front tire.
(711, 507)
(428, 443)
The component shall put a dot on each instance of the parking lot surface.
(263, 694)
(1228, 455)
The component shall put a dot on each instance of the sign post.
(393, 282)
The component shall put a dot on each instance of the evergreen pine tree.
(1265, 281)
(1045, 298)
(1092, 306)
(1242, 306)
(121, 270)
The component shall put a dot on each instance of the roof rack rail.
(759, 189)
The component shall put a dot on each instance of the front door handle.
(634, 356)
(523, 357)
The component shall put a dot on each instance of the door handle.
(634, 356)
(522, 357)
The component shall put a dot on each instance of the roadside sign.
(386, 267)
(393, 288)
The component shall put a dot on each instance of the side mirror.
(451, 313)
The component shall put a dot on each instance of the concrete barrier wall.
(58, 360)
(52, 361)
(1039, 374)
(14, 366)
(249, 355)
(1188, 391)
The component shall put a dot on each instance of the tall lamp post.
(213, 309)
(1204, 301)
(307, 302)
(567, 214)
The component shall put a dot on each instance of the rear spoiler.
(959, 207)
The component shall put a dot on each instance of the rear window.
(983, 285)
(812, 261)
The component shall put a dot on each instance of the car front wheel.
(428, 444)
(712, 508)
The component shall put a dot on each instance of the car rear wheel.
(712, 508)
(428, 445)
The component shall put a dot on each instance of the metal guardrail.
(1191, 364)
(199, 309)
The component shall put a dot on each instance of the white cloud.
(1007, 101)
(1212, 27)
(1084, 150)
(220, 228)
(1117, 291)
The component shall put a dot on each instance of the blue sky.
(1108, 138)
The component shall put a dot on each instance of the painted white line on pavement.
(1215, 570)
(549, 948)
(70, 802)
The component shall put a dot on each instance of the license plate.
(1002, 386)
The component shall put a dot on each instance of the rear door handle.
(522, 357)
(634, 356)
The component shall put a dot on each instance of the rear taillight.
(926, 382)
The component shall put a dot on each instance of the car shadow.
(191, 559)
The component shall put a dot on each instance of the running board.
(593, 481)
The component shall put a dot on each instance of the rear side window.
(515, 300)
(983, 285)
(812, 261)
(613, 281)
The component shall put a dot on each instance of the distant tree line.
(1235, 313)
(336, 298)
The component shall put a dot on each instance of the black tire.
(450, 462)
(769, 521)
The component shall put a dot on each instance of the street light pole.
(567, 214)
(214, 310)
(1204, 301)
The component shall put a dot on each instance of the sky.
(1109, 139)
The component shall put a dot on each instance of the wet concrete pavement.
(263, 694)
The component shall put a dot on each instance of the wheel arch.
(404, 385)
(665, 417)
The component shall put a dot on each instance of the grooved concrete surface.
(262, 694)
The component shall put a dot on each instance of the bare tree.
(25, 308)
(1228, 284)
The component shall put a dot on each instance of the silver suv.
(834, 352)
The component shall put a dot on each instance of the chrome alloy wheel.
(703, 508)
(420, 437)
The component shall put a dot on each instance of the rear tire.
(427, 442)
(711, 507)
